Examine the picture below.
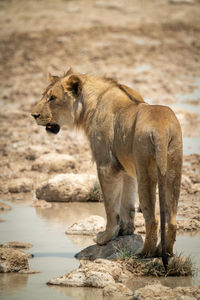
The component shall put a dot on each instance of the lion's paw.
(126, 228)
(104, 237)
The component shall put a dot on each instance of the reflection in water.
(69, 213)
(12, 283)
(177, 281)
(139, 282)
(80, 293)
(53, 254)
(79, 241)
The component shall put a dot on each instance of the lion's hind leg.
(172, 197)
(173, 183)
(147, 181)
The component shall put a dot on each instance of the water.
(143, 68)
(191, 145)
(184, 101)
(54, 251)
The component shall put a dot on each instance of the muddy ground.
(152, 47)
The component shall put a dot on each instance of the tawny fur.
(133, 144)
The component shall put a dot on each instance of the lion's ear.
(74, 85)
(69, 71)
(53, 78)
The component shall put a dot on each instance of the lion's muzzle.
(35, 116)
(53, 128)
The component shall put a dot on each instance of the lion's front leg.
(111, 182)
(127, 210)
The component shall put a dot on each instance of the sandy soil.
(151, 47)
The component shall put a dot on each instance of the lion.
(135, 146)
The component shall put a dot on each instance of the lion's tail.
(161, 147)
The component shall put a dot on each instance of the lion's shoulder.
(131, 93)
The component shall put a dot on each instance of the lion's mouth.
(53, 128)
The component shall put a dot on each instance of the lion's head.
(59, 103)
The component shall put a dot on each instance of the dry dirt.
(153, 46)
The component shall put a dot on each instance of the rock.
(90, 226)
(187, 292)
(130, 244)
(186, 184)
(41, 203)
(186, 181)
(20, 185)
(159, 292)
(92, 274)
(196, 187)
(182, 1)
(17, 245)
(33, 152)
(154, 291)
(12, 260)
(188, 225)
(117, 290)
(67, 187)
(4, 206)
(187, 298)
(28, 272)
(54, 162)
(139, 224)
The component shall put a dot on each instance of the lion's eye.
(51, 98)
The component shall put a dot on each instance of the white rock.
(74, 278)
(186, 181)
(154, 291)
(196, 187)
(20, 185)
(98, 279)
(188, 225)
(4, 206)
(41, 203)
(54, 162)
(34, 151)
(182, 1)
(67, 188)
(89, 226)
(159, 292)
(12, 260)
(17, 245)
(98, 274)
(139, 223)
(117, 290)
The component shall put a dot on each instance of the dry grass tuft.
(180, 266)
(177, 266)
(95, 194)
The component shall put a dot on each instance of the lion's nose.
(35, 115)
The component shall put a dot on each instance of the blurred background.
(152, 46)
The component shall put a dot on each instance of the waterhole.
(54, 251)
